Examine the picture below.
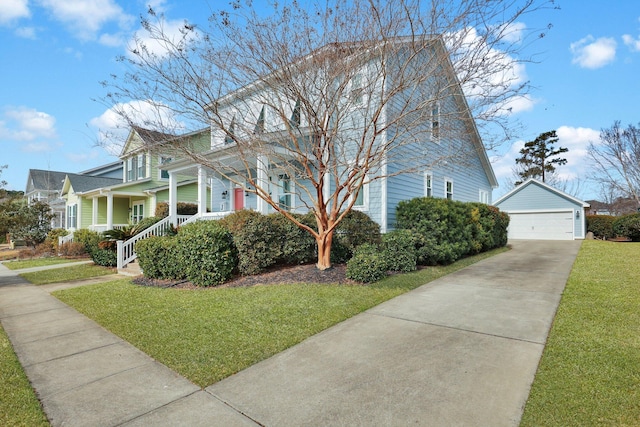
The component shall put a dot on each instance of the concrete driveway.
(460, 351)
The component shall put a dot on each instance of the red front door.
(238, 198)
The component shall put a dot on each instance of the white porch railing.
(65, 239)
(126, 250)
(206, 217)
(103, 227)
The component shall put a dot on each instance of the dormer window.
(295, 115)
(230, 135)
(435, 122)
(260, 123)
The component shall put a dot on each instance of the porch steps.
(132, 269)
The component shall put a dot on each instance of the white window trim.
(428, 184)
(483, 196)
(365, 196)
(446, 181)
(134, 205)
(160, 163)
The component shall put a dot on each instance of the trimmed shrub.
(105, 257)
(399, 250)
(236, 221)
(367, 264)
(88, 238)
(601, 225)
(447, 230)
(158, 257)
(354, 230)
(628, 226)
(206, 253)
(258, 243)
(443, 229)
(162, 209)
(297, 246)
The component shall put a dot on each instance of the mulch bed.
(307, 273)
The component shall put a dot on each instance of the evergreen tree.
(538, 158)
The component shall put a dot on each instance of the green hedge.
(162, 209)
(628, 226)
(158, 257)
(367, 264)
(399, 250)
(447, 230)
(601, 226)
(206, 253)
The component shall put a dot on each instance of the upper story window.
(163, 161)
(435, 122)
(428, 184)
(356, 89)
(230, 134)
(295, 115)
(448, 189)
(136, 167)
(260, 123)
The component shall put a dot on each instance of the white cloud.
(513, 32)
(26, 124)
(634, 44)
(593, 53)
(11, 10)
(172, 31)
(495, 76)
(26, 33)
(87, 17)
(112, 128)
(576, 139)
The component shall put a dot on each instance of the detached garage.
(541, 212)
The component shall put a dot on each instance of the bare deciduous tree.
(335, 95)
(616, 157)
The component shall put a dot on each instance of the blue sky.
(54, 53)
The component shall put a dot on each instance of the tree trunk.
(324, 250)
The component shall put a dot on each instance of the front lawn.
(18, 403)
(65, 274)
(209, 334)
(590, 369)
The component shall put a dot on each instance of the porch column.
(262, 165)
(94, 211)
(202, 190)
(109, 211)
(173, 199)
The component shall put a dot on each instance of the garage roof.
(533, 181)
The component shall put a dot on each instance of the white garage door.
(541, 225)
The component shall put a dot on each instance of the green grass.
(18, 403)
(74, 272)
(589, 374)
(38, 262)
(209, 334)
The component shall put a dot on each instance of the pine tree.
(538, 157)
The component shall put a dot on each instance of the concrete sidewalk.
(461, 350)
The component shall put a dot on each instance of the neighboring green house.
(100, 204)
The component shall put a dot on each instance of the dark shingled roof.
(45, 180)
(83, 183)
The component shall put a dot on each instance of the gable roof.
(148, 137)
(84, 183)
(44, 180)
(533, 181)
